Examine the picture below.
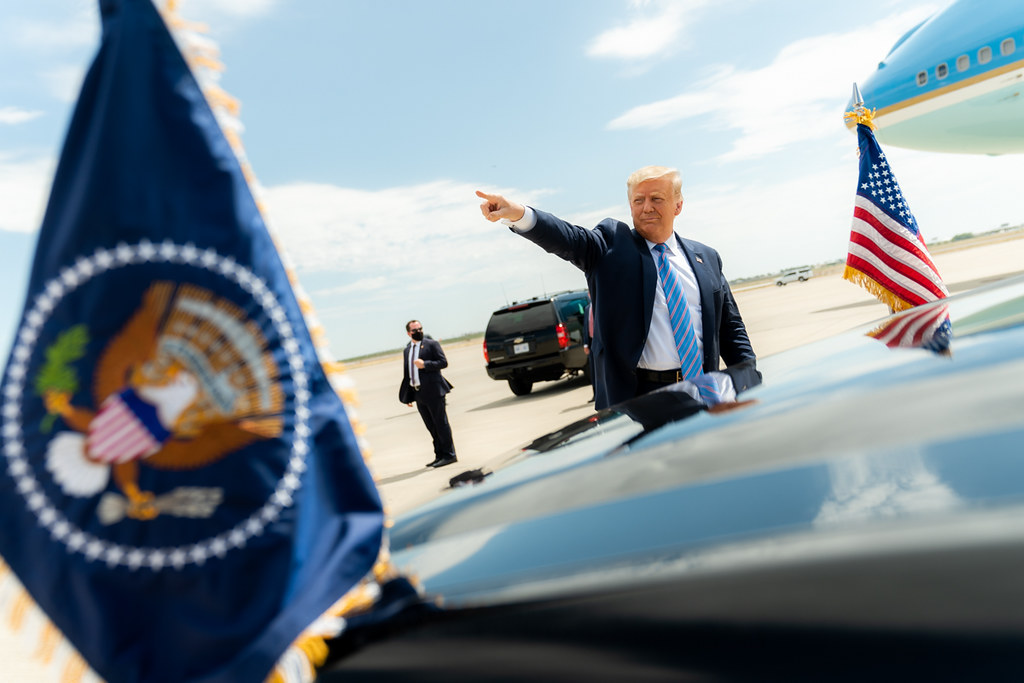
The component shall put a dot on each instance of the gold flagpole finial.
(860, 113)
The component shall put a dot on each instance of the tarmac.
(489, 423)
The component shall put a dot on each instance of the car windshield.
(520, 319)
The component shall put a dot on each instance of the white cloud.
(81, 29)
(192, 10)
(369, 284)
(419, 232)
(15, 115)
(796, 98)
(56, 52)
(648, 34)
(805, 219)
(65, 82)
(765, 226)
(24, 185)
(418, 251)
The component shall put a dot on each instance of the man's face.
(414, 326)
(654, 207)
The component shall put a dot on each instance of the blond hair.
(651, 172)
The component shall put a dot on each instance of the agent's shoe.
(441, 462)
(433, 462)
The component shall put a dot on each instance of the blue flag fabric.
(181, 492)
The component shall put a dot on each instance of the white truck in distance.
(799, 274)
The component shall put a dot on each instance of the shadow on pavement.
(403, 476)
(541, 390)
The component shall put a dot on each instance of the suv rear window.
(515, 321)
(572, 307)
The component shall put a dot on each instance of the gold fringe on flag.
(894, 302)
(309, 651)
(299, 663)
(47, 652)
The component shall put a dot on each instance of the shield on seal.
(126, 428)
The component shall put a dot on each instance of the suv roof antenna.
(543, 287)
(505, 294)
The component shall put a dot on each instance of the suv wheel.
(520, 387)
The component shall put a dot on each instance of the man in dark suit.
(422, 384)
(636, 348)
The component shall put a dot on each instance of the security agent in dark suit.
(634, 348)
(422, 384)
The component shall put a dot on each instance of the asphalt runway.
(489, 423)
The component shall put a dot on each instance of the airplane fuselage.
(954, 83)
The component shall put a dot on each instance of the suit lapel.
(649, 278)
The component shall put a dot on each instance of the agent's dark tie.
(414, 372)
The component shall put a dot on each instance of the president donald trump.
(663, 310)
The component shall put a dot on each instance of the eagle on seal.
(186, 381)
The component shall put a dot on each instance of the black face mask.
(417, 335)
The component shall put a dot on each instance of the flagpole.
(859, 113)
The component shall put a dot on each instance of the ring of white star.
(62, 530)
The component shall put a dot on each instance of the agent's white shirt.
(414, 372)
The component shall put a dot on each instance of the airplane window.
(922, 78)
(941, 71)
(1007, 46)
(985, 55)
(962, 62)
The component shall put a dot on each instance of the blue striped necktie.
(690, 362)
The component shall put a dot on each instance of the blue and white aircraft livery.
(955, 82)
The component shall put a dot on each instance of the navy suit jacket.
(622, 278)
(432, 384)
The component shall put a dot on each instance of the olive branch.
(58, 377)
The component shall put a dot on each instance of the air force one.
(954, 82)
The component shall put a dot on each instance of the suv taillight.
(487, 358)
(563, 338)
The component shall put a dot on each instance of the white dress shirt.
(660, 351)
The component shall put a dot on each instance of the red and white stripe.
(913, 328)
(116, 435)
(891, 255)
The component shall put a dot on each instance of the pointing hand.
(495, 207)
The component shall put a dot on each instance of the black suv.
(537, 340)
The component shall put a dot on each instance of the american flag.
(925, 327)
(887, 255)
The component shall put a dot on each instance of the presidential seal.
(134, 409)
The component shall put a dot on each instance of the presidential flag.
(887, 254)
(182, 493)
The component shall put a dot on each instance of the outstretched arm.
(577, 245)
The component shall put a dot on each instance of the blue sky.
(369, 125)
